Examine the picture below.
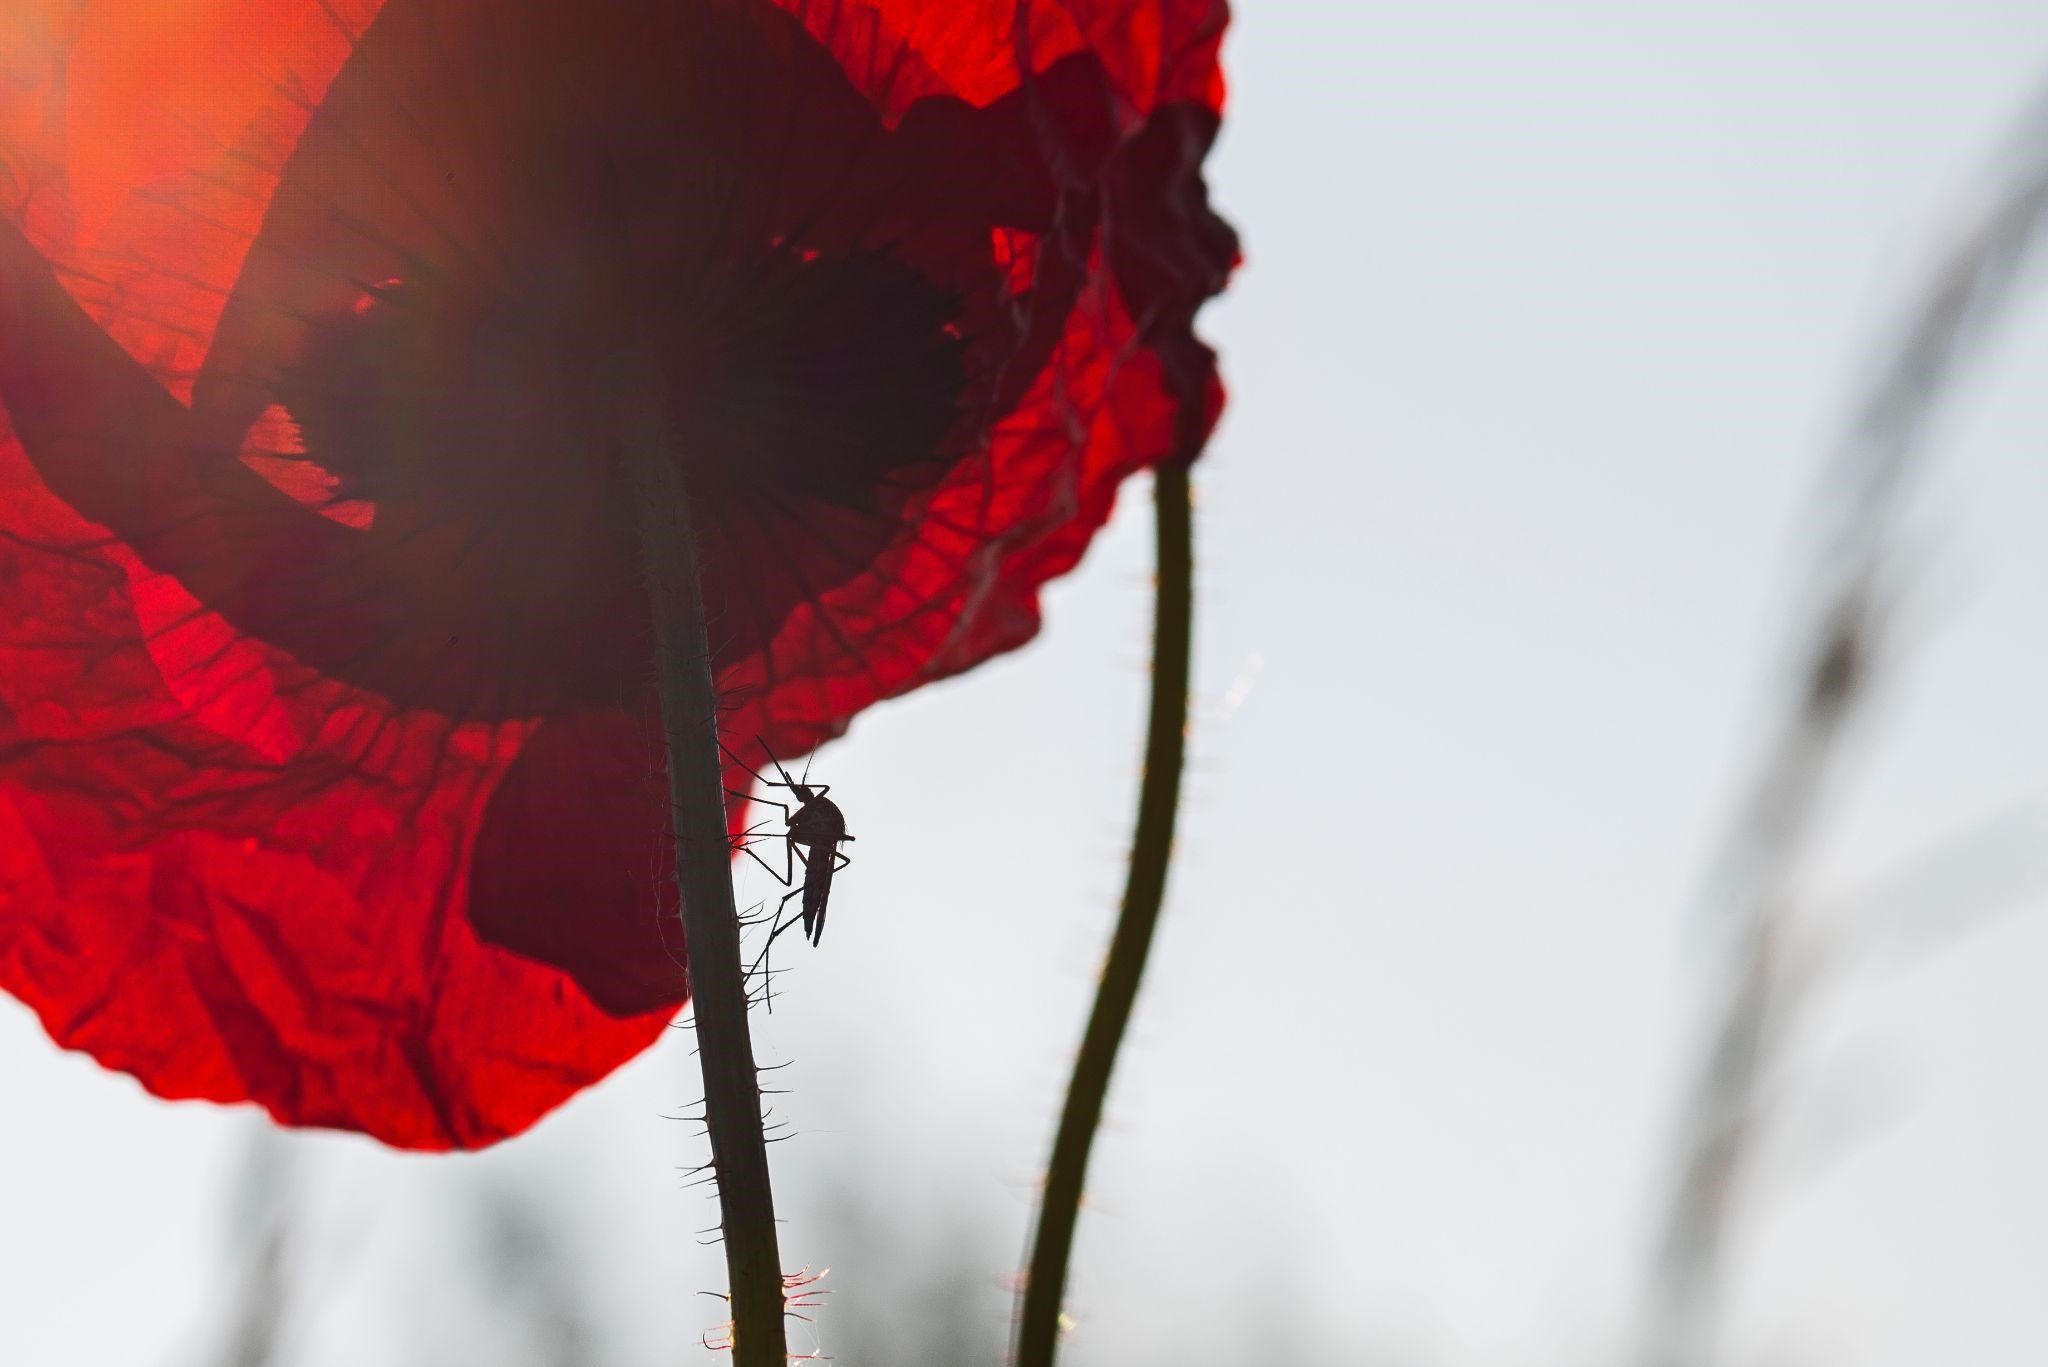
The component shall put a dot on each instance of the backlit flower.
(329, 777)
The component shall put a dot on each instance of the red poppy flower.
(329, 776)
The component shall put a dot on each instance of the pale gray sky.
(1551, 314)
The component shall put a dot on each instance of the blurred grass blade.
(1841, 610)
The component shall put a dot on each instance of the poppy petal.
(328, 775)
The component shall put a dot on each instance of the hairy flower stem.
(1038, 1320)
(711, 930)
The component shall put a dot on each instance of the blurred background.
(1554, 320)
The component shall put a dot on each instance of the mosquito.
(819, 826)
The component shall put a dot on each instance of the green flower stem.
(1038, 1320)
(711, 930)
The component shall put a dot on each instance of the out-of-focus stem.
(266, 1294)
(1882, 453)
(711, 930)
(1039, 1316)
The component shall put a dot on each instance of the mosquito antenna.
(787, 782)
(743, 764)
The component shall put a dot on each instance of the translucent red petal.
(327, 773)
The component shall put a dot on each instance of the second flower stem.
(711, 931)
(1039, 1318)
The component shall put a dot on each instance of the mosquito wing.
(818, 867)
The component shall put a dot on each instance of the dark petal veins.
(324, 757)
(433, 306)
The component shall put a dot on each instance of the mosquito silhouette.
(818, 826)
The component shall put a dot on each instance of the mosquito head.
(800, 787)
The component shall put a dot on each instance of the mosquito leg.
(786, 875)
(748, 767)
(769, 944)
(773, 872)
(762, 957)
(764, 801)
(803, 913)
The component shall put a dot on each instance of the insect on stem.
(689, 710)
(819, 828)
